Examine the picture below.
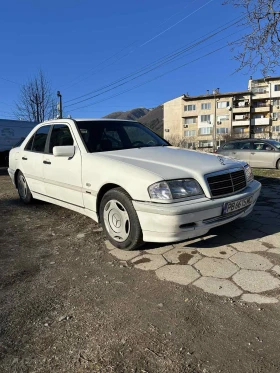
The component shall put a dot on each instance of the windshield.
(276, 144)
(102, 136)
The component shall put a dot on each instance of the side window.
(38, 140)
(245, 145)
(29, 144)
(60, 136)
(258, 145)
(228, 146)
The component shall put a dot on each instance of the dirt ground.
(66, 305)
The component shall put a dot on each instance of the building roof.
(266, 78)
(211, 95)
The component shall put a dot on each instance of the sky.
(107, 48)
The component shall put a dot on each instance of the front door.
(63, 175)
(262, 155)
(32, 160)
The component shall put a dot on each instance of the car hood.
(173, 163)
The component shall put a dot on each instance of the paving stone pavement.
(240, 260)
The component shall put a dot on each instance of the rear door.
(63, 175)
(32, 160)
(262, 155)
(242, 151)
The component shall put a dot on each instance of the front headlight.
(248, 173)
(175, 189)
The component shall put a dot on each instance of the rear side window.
(60, 136)
(228, 146)
(244, 145)
(37, 142)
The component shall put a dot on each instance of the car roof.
(241, 140)
(101, 119)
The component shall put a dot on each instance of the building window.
(276, 102)
(275, 128)
(206, 106)
(260, 90)
(222, 131)
(275, 116)
(189, 107)
(221, 118)
(240, 117)
(205, 131)
(190, 120)
(239, 130)
(190, 133)
(205, 144)
(205, 118)
(277, 87)
(258, 129)
(222, 104)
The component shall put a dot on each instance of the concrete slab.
(256, 298)
(276, 269)
(124, 255)
(274, 251)
(158, 250)
(180, 274)
(255, 281)
(251, 261)
(149, 262)
(273, 240)
(249, 246)
(182, 256)
(218, 286)
(109, 245)
(215, 267)
(218, 252)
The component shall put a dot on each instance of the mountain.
(152, 118)
(133, 114)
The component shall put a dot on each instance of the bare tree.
(182, 142)
(36, 101)
(259, 48)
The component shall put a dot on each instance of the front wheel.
(120, 221)
(23, 189)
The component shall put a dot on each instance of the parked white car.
(130, 180)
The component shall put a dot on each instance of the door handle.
(252, 153)
(233, 152)
(23, 158)
(47, 162)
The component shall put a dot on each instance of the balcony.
(260, 122)
(241, 109)
(242, 123)
(261, 108)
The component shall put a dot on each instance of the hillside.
(152, 118)
(133, 114)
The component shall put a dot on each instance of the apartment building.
(251, 113)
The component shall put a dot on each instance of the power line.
(157, 77)
(146, 42)
(166, 60)
(179, 50)
(10, 81)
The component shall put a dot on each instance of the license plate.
(237, 205)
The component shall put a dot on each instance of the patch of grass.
(266, 172)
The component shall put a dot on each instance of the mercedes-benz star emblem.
(222, 160)
(116, 221)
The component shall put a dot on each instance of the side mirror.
(64, 151)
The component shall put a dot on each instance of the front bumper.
(184, 220)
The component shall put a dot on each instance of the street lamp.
(59, 105)
(215, 92)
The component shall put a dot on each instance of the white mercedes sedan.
(129, 179)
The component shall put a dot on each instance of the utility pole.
(59, 105)
(215, 91)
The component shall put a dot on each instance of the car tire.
(278, 164)
(119, 220)
(23, 189)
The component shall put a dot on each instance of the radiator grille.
(228, 183)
